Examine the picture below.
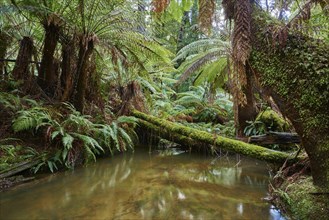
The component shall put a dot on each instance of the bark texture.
(21, 68)
(86, 48)
(47, 76)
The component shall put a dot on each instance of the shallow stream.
(143, 186)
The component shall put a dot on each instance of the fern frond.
(198, 62)
(91, 146)
(201, 46)
(33, 118)
(127, 119)
(211, 72)
(126, 139)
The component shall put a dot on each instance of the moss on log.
(246, 149)
(184, 141)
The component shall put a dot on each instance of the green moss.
(302, 202)
(219, 142)
(296, 69)
(272, 120)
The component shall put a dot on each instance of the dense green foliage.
(72, 73)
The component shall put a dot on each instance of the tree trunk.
(85, 52)
(248, 111)
(293, 69)
(218, 142)
(46, 78)
(21, 68)
(182, 29)
(68, 68)
(4, 42)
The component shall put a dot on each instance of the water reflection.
(149, 187)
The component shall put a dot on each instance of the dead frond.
(160, 5)
(241, 33)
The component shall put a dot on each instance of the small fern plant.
(32, 119)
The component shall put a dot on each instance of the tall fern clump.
(75, 137)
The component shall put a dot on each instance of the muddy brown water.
(140, 185)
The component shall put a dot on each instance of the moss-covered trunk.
(218, 142)
(294, 70)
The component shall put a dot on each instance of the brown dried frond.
(279, 35)
(241, 33)
(160, 5)
(206, 12)
(241, 46)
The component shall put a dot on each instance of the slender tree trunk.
(21, 71)
(181, 32)
(68, 69)
(4, 42)
(85, 52)
(46, 78)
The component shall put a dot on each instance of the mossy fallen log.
(184, 141)
(219, 142)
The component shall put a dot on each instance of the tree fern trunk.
(21, 68)
(68, 68)
(46, 78)
(248, 111)
(85, 52)
(4, 42)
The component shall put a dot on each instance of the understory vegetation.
(72, 74)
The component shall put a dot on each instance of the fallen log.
(19, 167)
(184, 141)
(216, 141)
(275, 138)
